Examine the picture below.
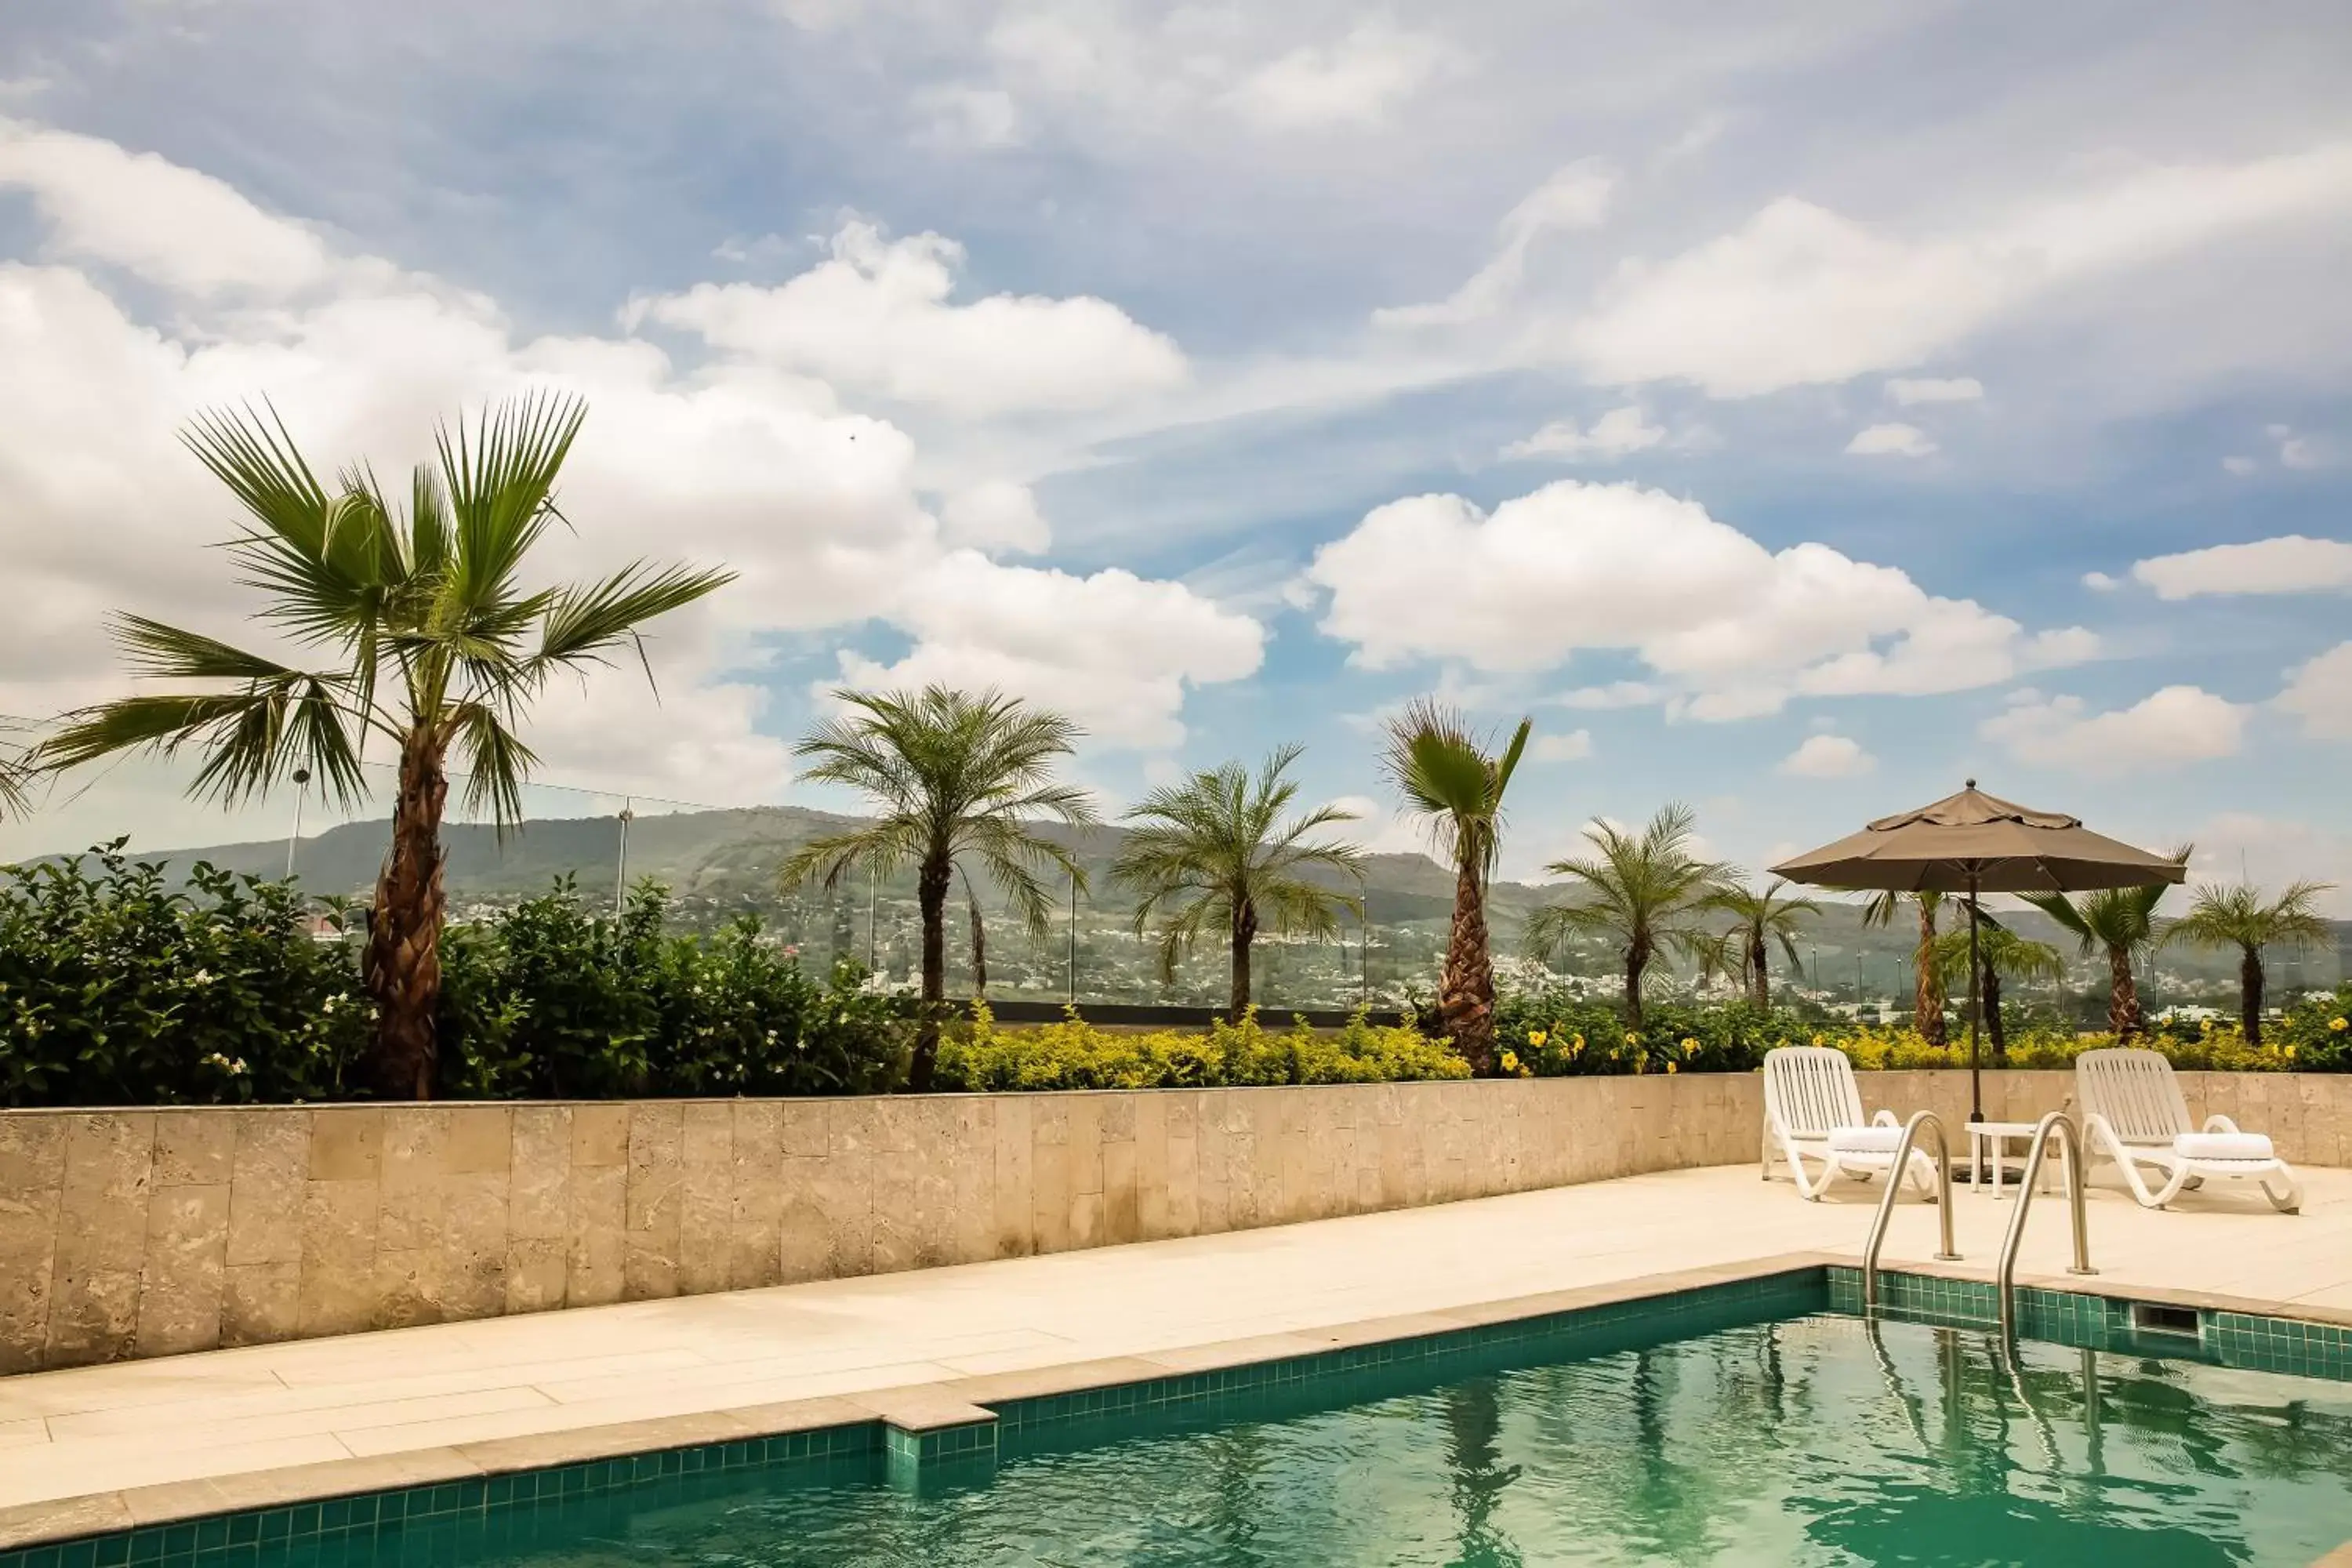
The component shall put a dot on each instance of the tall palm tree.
(1928, 991)
(1448, 776)
(2000, 952)
(1214, 852)
(1759, 920)
(1642, 892)
(2120, 922)
(430, 643)
(2235, 915)
(950, 775)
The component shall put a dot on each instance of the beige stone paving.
(424, 1397)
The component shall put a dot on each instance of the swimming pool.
(1748, 1426)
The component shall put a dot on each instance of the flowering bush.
(1559, 1033)
(1075, 1054)
(117, 990)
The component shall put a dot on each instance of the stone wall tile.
(474, 1244)
(195, 1148)
(346, 1143)
(481, 1140)
(972, 1232)
(93, 1317)
(706, 1197)
(268, 1169)
(803, 1127)
(32, 1194)
(595, 1270)
(1152, 1167)
(184, 1270)
(656, 1189)
(339, 1246)
(1121, 1203)
(538, 1271)
(755, 1194)
(600, 1135)
(539, 1178)
(412, 1163)
(1014, 1231)
(262, 1303)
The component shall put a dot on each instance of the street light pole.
(621, 868)
(1073, 959)
(301, 777)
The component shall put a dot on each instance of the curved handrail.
(1894, 1174)
(2069, 1144)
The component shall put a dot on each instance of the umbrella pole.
(1976, 1006)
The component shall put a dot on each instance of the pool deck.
(107, 1447)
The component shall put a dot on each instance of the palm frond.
(584, 623)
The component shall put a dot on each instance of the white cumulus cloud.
(878, 317)
(1573, 747)
(1828, 757)
(171, 225)
(996, 514)
(1891, 441)
(1574, 198)
(1616, 434)
(2170, 728)
(1728, 628)
(2292, 564)
(2319, 692)
(1361, 80)
(1799, 294)
(1907, 390)
(1114, 651)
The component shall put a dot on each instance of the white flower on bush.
(201, 978)
(234, 1065)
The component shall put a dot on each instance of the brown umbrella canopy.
(1975, 843)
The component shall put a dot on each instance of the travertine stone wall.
(143, 1233)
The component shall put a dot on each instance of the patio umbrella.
(1972, 843)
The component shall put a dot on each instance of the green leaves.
(427, 627)
(1217, 843)
(949, 773)
(1444, 772)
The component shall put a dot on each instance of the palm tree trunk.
(1244, 931)
(403, 966)
(1759, 970)
(1927, 996)
(2124, 1016)
(1465, 997)
(1993, 1030)
(931, 894)
(979, 951)
(2249, 995)
(1637, 959)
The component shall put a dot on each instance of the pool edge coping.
(915, 1409)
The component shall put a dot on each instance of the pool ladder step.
(2005, 1276)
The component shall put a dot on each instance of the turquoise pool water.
(1815, 1440)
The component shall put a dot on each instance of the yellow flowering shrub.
(1073, 1053)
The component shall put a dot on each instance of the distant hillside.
(719, 863)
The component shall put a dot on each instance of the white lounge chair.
(2133, 1113)
(1813, 1111)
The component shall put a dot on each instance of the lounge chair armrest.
(2099, 1133)
(1885, 1118)
(2219, 1124)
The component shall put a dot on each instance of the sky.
(1793, 409)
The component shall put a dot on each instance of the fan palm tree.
(1214, 853)
(1760, 919)
(1928, 991)
(2120, 922)
(1448, 776)
(430, 643)
(2000, 951)
(951, 776)
(2235, 915)
(1642, 892)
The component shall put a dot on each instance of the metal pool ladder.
(1895, 1173)
(2070, 1145)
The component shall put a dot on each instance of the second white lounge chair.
(1813, 1111)
(2134, 1114)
